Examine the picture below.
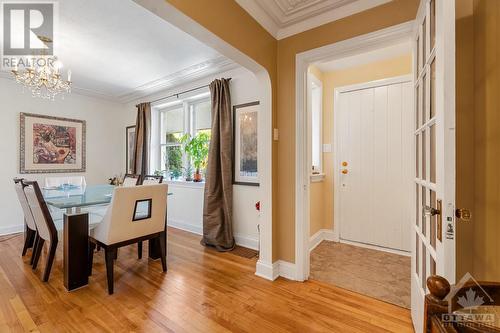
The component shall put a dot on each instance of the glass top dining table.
(76, 197)
(64, 197)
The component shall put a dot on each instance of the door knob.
(344, 164)
(431, 211)
(344, 171)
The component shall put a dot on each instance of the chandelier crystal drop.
(41, 75)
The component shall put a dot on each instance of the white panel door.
(374, 134)
(433, 231)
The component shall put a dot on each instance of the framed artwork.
(130, 142)
(245, 157)
(51, 144)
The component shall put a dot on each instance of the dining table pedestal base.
(76, 244)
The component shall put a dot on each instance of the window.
(189, 116)
(316, 110)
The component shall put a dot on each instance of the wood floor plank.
(203, 291)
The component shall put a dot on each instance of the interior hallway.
(384, 276)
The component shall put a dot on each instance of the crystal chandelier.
(41, 75)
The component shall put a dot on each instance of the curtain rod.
(182, 92)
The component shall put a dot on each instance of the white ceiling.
(118, 49)
(364, 58)
(283, 18)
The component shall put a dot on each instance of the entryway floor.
(381, 275)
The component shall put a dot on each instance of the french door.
(433, 230)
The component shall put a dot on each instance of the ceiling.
(283, 18)
(118, 50)
(377, 54)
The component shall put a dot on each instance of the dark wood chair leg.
(98, 248)
(92, 247)
(163, 250)
(116, 254)
(28, 240)
(38, 251)
(33, 250)
(139, 250)
(50, 260)
(110, 256)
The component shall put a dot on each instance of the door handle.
(430, 211)
(345, 172)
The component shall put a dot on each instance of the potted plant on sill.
(197, 149)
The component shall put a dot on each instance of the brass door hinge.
(463, 214)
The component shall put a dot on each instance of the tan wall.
(487, 139)
(231, 23)
(465, 126)
(322, 193)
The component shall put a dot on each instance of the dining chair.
(72, 180)
(45, 226)
(131, 180)
(30, 226)
(151, 180)
(148, 180)
(135, 214)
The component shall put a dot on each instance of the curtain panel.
(218, 203)
(140, 165)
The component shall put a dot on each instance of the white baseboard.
(195, 229)
(286, 269)
(241, 240)
(378, 248)
(248, 242)
(265, 270)
(12, 229)
(319, 236)
(278, 268)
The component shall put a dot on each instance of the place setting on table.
(133, 209)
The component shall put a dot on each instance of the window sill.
(317, 177)
(185, 184)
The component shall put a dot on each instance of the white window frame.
(315, 86)
(189, 127)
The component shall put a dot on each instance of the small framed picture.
(245, 156)
(130, 148)
(51, 144)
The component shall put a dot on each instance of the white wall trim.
(11, 229)
(241, 240)
(375, 247)
(286, 269)
(281, 24)
(319, 236)
(266, 270)
(359, 44)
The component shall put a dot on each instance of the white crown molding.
(185, 75)
(284, 18)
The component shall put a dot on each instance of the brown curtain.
(140, 164)
(218, 204)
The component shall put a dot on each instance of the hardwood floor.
(203, 291)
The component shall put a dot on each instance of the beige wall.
(322, 193)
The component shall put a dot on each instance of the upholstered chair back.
(72, 180)
(150, 180)
(134, 212)
(41, 215)
(131, 180)
(28, 216)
